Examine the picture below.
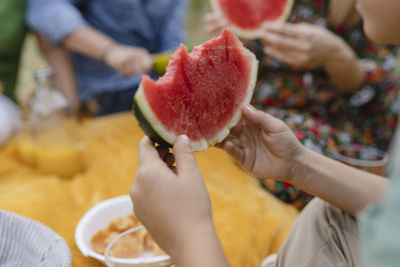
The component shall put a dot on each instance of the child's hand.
(128, 60)
(215, 23)
(263, 145)
(173, 204)
(302, 45)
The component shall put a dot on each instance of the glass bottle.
(57, 148)
(25, 144)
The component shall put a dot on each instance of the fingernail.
(184, 139)
(250, 108)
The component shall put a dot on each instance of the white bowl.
(99, 217)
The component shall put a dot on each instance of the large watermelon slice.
(246, 16)
(200, 95)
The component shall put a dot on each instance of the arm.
(88, 41)
(60, 61)
(305, 45)
(267, 148)
(347, 188)
(180, 200)
(62, 23)
(343, 66)
(127, 60)
(201, 249)
(214, 23)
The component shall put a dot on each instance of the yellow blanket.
(250, 222)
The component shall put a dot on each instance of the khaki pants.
(322, 236)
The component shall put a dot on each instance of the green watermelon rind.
(153, 128)
(252, 34)
(146, 127)
(148, 121)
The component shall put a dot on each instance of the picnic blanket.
(250, 222)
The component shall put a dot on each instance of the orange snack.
(129, 246)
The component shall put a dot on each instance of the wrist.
(199, 247)
(298, 170)
(343, 67)
(189, 237)
(106, 52)
(338, 51)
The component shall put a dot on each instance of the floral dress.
(320, 117)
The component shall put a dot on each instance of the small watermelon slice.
(247, 16)
(200, 95)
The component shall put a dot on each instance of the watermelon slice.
(200, 95)
(247, 16)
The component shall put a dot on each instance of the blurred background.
(31, 58)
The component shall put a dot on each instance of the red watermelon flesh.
(246, 16)
(201, 93)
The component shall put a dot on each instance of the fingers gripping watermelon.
(200, 95)
(247, 16)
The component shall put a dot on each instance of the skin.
(179, 199)
(214, 23)
(267, 148)
(304, 45)
(381, 20)
(60, 61)
(127, 60)
(263, 145)
(343, 12)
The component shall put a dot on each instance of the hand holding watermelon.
(305, 45)
(175, 206)
(302, 45)
(263, 145)
(215, 23)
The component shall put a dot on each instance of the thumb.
(184, 157)
(263, 120)
(147, 153)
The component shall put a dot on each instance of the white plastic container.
(9, 118)
(99, 217)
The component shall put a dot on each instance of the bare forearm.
(66, 78)
(345, 187)
(125, 59)
(88, 41)
(343, 67)
(202, 249)
(61, 63)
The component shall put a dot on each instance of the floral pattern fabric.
(307, 101)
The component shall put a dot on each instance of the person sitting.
(321, 75)
(110, 43)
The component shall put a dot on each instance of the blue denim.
(112, 102)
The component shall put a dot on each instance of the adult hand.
(301, 45)
(215, 23)
(173, 204)
(128, 60)
(263, 145)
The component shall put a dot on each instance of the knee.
(322, 214)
